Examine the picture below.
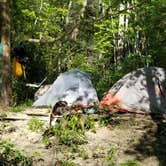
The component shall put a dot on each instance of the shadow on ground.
(152, 143)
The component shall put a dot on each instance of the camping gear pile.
(141, 91)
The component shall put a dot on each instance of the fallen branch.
(22, 118)
(37, 114)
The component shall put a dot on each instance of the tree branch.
(45, 41)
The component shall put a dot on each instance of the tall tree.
(6, 92)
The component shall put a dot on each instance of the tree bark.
(120, 41)
(84, 5)
(68, 13)
(6, 92)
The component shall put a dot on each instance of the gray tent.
(74, 87)
(140, 90)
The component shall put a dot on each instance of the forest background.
(104, 38)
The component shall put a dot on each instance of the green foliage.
(109, 77)
(134, 61)
(130, 163)
(36, 125)
(104, 36)
(65, 163)
(80, 61)
(70, 130)
(20, 91)
(83, 153)
(46, 140)
(19, 103)
(69, 137)
(9, 156)
(26, 103)
(104, 120)
(17, 109)
(109, 157)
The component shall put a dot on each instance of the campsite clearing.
(119, 139)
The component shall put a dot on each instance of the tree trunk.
(6, 92)
(121, 29)
(68, 13)
(120, 41)
(84, 5)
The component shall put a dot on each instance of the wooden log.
(15, 117)
(22, 118)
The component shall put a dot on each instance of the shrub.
(36, 125)
(70, 130)
(9, 156)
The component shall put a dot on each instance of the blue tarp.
(0, 48)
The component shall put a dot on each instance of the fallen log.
(26, 116)
(22, 118)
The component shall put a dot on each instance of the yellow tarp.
(17, 68)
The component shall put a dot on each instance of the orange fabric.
(111, 102)
(17, 68)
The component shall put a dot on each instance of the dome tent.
(74, 87)
(143, 90)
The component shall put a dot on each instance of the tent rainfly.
(74, 87)
(143, 90)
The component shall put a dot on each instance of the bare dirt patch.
(125, 137)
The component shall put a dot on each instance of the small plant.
(21, 106)
(36, 154)
(65, 163)
(83, 153)
(2, 116)
(9, 156)
(89, 124)
(109, 157)
(98, 152)
(104, 120)
(36, 125)
(130, 163)
(26, 103)
(46, 141)
(17, 109)
(69, 137)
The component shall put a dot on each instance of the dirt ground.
(129, 137)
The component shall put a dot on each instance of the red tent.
(143, 90)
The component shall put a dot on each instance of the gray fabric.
(74, 87)
(138, 90)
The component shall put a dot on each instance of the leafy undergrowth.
(70, 130)
(36, 125)
(11, 157)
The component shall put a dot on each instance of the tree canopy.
(105, 38)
